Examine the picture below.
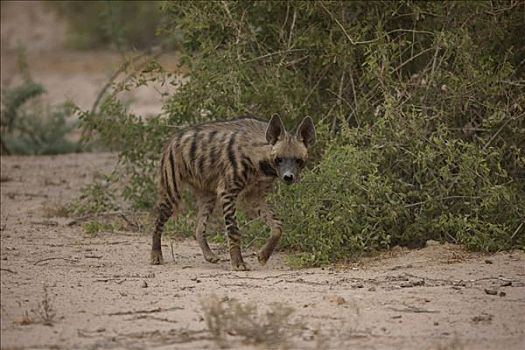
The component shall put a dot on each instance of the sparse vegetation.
(44, 313)
(31, 127)
(119, 24)
(45, 310)
(226, 317)
(93, 227)
(60, 210)
(97, 197)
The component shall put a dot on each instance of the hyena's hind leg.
(206, 205)
(168, 201)
(164, 211)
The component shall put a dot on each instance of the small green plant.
(93, 227)
(30, 127)
(97, 197)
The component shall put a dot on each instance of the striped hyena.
(226, 161)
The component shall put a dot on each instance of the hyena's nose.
(288, 178)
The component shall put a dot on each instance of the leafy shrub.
(418, 105)
(355, 201)
(34, 128)
(29, 126)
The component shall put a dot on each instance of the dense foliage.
(419, 108)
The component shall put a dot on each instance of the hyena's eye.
(299, 162)
(278, 160)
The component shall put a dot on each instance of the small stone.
(506, 283)
(4, 258)
(502, 294)
(484, 317)
(340, 301)
(436, 323)
(144, 284)
(407, 284)
(396, 316)
(432, 243)
(488, 261)
(372, 289)
(490, 291)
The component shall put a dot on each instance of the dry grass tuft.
(44, 313)
(272, 328)
(45, 310)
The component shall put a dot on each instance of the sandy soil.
(433, 298)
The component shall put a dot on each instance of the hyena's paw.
(240, 267)
(211, 257)
(156, 257)
(263, 257)
(238, 264)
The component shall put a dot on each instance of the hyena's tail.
(169, 197)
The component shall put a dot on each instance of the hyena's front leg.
(269, 217)
(228, 200)
(206, 205)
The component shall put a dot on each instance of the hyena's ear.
(306, 132)
(275, 129)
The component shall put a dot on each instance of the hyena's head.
(289, 151)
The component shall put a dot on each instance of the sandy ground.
(433, 298)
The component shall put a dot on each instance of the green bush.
(28, 125)
(35, 128)
(122, 24)
(418, 105)
(355, 201)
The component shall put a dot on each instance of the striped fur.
(225, 162)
